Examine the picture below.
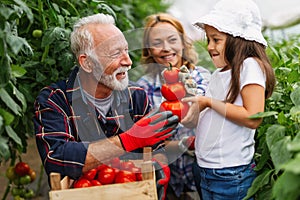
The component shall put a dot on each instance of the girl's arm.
(253, 96)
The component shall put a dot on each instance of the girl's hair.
(237, 49)
(189, 56)
(81, 38)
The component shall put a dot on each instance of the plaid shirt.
(65, 123)
(181, 168)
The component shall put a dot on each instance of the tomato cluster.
(116, 171)
(173, 91)
(21, 175)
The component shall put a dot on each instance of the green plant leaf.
(287, 187)
(279, 152)
(4, 149)
(25, 9)
(20, 97)
(295, 96)
(9, 102)
(13, 135)
(293, 165)
(8, 118)
(281, 118)
(274, 133)
(17, 71)
(263, 114)
(17, 43)
(295, 144)
(258, 183)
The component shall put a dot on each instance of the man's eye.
(116, 54)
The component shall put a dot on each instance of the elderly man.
(95, 115)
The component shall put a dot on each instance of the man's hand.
(151, 129)
(162, 174)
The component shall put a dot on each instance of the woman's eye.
(173, 40)
(156, 44)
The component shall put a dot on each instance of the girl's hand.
(198, 103)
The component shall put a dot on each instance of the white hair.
(81, 38)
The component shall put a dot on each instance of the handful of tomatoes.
(21, 175)
(116, 171)
(173, 91)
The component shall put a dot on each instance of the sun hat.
(236, 17)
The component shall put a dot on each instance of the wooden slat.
(55, 181)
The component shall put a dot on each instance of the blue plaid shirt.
(63, 116)
(181, 168)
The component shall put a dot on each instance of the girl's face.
(166, 44)
(216, 46)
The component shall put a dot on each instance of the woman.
(165, 43)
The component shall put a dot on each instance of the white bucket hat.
(235, 17)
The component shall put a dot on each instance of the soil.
(31, 157)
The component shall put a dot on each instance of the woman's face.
(216, 46)
(166, 44)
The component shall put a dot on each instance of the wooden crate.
(145, 189)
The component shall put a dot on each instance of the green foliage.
(34, 52)
(278, 138)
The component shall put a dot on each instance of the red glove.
(151, 129)
(162, 174)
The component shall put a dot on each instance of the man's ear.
(84, 62)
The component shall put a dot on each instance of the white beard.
(111, 81)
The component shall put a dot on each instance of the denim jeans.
(224, 184)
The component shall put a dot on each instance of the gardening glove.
(150, 130)
(188, 81)
(162, 174)
(187, 145)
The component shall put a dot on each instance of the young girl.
(238, 88)
(164, 42)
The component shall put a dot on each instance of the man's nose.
(126, 61)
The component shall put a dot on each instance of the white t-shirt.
(219, 142)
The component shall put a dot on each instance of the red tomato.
(177, 107)
(127, 165)
(173, 91)
(106, 175)
(100, 167)
(32, 174)
(125, 176)
(90, 175)
(82, 182)
(95, 183)
(115, 162)
(138, 173)
(171, 74)
(22, 169)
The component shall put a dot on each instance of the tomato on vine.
(171, 74)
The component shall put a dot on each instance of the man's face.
(111, 59)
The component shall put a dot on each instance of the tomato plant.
(173, 91)
(178, 108)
